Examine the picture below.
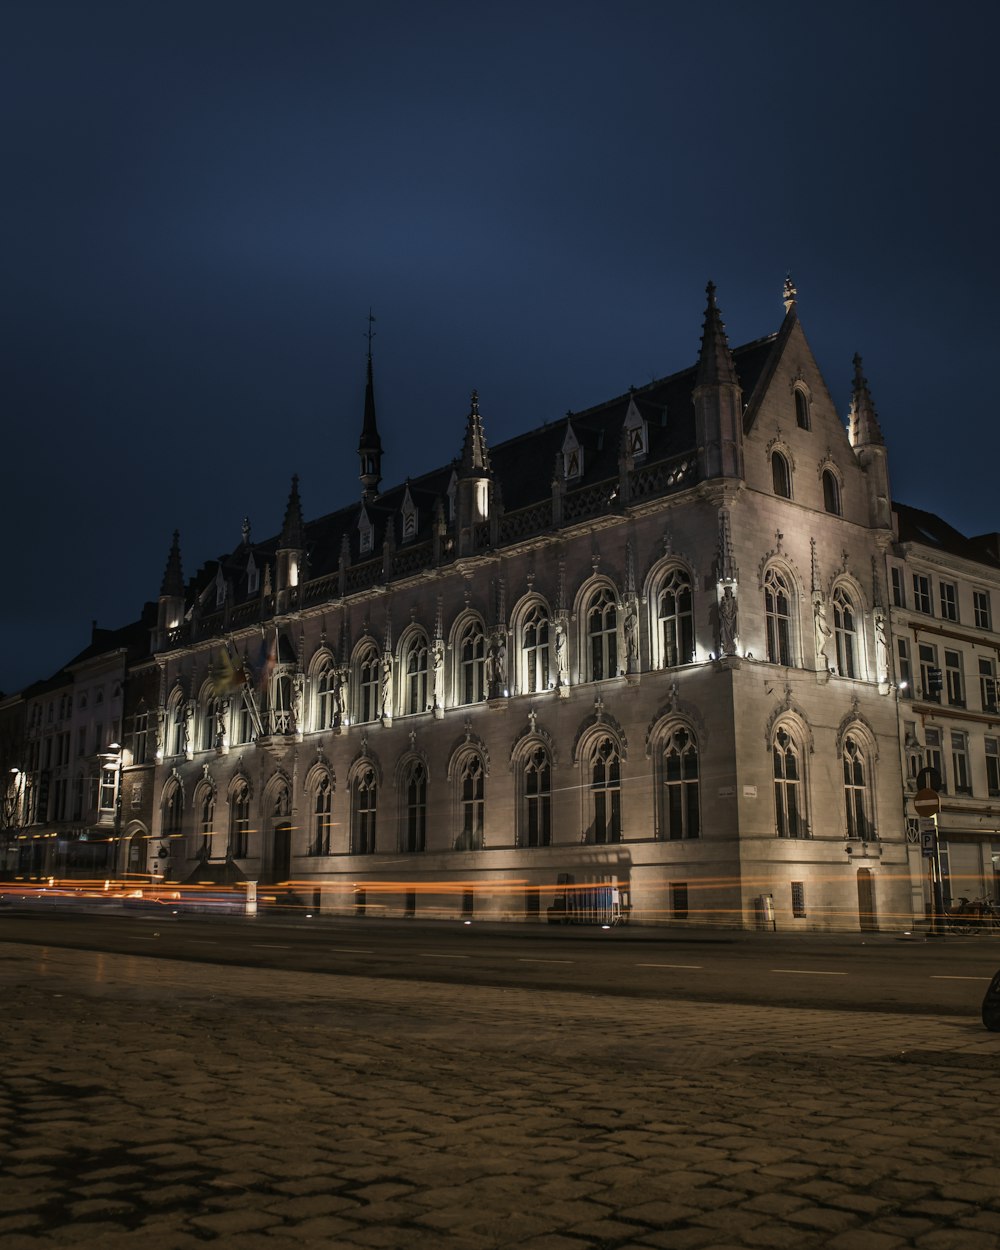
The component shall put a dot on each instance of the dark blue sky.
(202, 200)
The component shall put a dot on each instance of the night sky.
(202, 200)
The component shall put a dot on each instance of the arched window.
(778, 618)
(801, 409)
(536, 813)
(206, 821)
(535, 649)
(781, 476)
(240, 723)
(173, 811)
(369, 672)
(209, 723)
(175, 725)
(789, 795)
(845, 632)
(856, 794)
(364, 801)
(319, 844)
(414, 695)
(472, 664)
(415, 825)
(606, 793)
(681, 811)
(326, 695)
(676, 620)
(602, 634)
(831, 492)
(239, 821)
(471, 782)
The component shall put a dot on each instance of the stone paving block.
(864, 1239)
(235, 1223)
(955, 1239)
(825, 1219)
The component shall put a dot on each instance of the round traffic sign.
(927, 803)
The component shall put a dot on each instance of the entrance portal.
(867, 915)
(281, 858)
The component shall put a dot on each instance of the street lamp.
(116, 749)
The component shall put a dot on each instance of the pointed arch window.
(831, 492)
(415, 668)
(777, 618)
(681, 811)
(364, 804)
(175, 726)
(206, 821)
(605, 793)
(789, 795)
(602, 634)
(369, 674)
(209, 723)
(415, 826)
(326, 694)
(536, 813)
(239, 821)
(802, 409)
(535, 649)
(781, 476)
(472, 807)
(676, 619)
(241, 725)
(322, 813)
(173, 811)
(857, 796)
(472, 664)
(845, 631)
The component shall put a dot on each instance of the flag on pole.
(226, 677)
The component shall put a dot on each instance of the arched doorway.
(132, 856)
(867, 915)
(281, 856)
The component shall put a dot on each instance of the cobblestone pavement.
(160, 1105)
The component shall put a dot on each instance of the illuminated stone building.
(645, 645)
(945, 591)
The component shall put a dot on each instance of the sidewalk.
(149, 1104)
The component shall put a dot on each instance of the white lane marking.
(432, 955)
(267, 946)
(545, 961)
(948, 978)
(694, 966)
(349, 950)
(808, 972)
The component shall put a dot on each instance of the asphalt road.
(871, 972)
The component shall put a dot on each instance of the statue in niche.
(562, 668)
(386, 686)
(339, 695)
(881, 649)
(823, 632)
(631, 641)
(727, 622)
(437, 669)
(298, 691)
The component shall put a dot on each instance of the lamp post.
(116, 749)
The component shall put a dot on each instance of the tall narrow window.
(988, 684)
(934, 758)
(676, 620)
(364, 799)
(777, 612)
(537, 799)
(960, 762)
(788, 797)
(472, 664)
(209, 723)
(239, 821)
(173, 812)
(930, 674)
(801, 409)
(904, 667)
(948, 592)
(206, 822)
(681, 800)
(602, 635)
(922, 593)
(535, 650)
(831, 492)
(471, 781)
(992, 747)
(606, 791)
(415, 835)
(981, 609)
(898, 587)
(415, 660)
(845, 631)
(954, 679)
(326, 690)
(369, 671)
(322, 817)
(781, 477)
(856, 795)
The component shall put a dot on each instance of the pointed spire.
(475, 454)
(864, 428)
(715, 363)
(173, 578)
(370, 446)
(291, 530)
(790, 293)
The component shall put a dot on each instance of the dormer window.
(636, 440)
(572, 454)
(410, 518)
(366, 533)
(253, 576)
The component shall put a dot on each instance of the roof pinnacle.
(715, 362)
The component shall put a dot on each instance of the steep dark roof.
(918, 526)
